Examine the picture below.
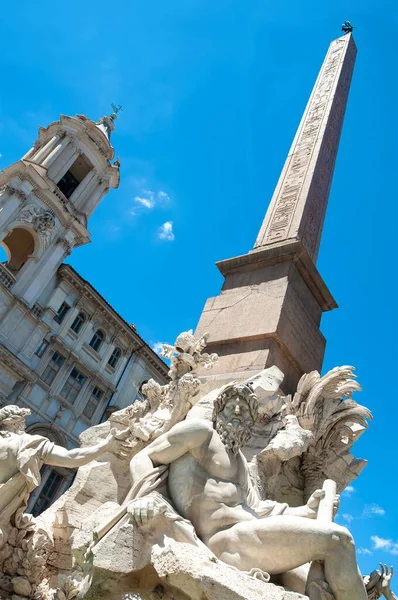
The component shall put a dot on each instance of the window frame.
(98, 336)
(115, 357)
(45, 499)
(62, 312)
(79, 322)
(42, 347)
(93, 402)
(51, 369)
(75, 385)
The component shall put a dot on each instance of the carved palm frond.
(324, 405)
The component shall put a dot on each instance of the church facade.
(65, 353)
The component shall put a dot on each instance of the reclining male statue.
(209, 484)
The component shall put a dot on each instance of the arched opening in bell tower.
(74, 176)
(19, 245)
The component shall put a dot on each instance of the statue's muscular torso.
(208, 486)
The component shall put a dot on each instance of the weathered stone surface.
(272, 299)
(298, 206)
(189, 570)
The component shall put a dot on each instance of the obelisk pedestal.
(271, 303)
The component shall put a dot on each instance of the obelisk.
(272, 300)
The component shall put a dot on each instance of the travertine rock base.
(124, 563)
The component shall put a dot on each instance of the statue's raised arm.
(22, 455)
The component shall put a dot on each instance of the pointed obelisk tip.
(347, 27)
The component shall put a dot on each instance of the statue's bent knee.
(340, 536)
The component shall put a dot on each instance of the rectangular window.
(92, 404)
(73, 385)
(47, 495)
(61, 314)
(42, 347)
(52, 368)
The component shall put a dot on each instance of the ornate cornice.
(14, 191)
(109, 317)
(65, 244)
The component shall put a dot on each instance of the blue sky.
(212, 92)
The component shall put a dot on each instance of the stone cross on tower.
(272, 299)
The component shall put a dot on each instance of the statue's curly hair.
(13, 411)
(242, 390)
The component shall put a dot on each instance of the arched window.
(78, 322)
(97, 340)
(19, 245)
(114, 357)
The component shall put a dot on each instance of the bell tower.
(47, 197)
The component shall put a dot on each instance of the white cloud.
(347, 517)
(349, 490)
(384, 544)
(364, 551)
(157, 347)
(1, 155)
(371, 510)
(163, 196)
(147, 199)
(166, 231)
(380, 542)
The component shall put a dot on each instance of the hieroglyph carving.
(323, 117)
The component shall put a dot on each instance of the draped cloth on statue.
(23, 456)
(172, 525)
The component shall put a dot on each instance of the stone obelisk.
(272, 300)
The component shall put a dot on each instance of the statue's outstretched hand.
(117, 442)
(384, 582)
(143, 510)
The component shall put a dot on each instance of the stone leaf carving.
(166, 405)
(312, 437)
(324, 406)
(43, 221)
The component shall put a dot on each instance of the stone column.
(10, 201)
(42, 272)
(63, 163)
(31, 152)
(95, 196)
(56, 152)
(84, 189)
(46, 149)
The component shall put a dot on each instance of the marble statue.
(165, 405)
(227, 493)
(21, 457)
(378, 583)
(209, 484)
